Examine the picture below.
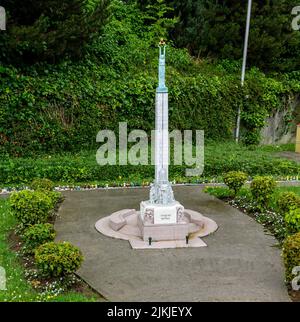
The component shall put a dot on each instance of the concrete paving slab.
(140, 244)
(241, 262)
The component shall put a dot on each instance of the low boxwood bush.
(47, 186)
(262, 189)
(54, 196)
(30, 207)
(291, 255)
(42, 184)
(58, 259)
(235, 180)
(286, 201)
(292, 221)
(37, 235)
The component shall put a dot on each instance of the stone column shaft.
(162, 139)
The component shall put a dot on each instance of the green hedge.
(64, 109)
(53, 108)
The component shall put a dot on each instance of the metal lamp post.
(238, 124)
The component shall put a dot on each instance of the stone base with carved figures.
(162, 222)
(149, 230)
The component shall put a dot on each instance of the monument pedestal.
(161, 219)
(162, 222)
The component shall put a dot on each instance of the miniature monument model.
(162, 222)
(162, 218)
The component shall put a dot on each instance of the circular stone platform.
(124, 225)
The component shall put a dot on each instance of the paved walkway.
(239, 264)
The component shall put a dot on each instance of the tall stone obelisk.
(162, 217)
(161, 190)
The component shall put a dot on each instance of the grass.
(81, 168)
(18, 288)
(291, 189)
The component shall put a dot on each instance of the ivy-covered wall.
(62, 109)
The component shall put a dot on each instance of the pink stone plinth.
(164, 232)
(127, 225)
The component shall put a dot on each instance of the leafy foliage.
(55, 197)
(61, 107)
(21, 287)
(46, 186)
(262, 189)
(216, 29)
(159, 17)
(286, 201)
(58, 259)
(39, 31)
(30, 207)
(292, 221)
(42, 184)
(269, 217)
(291, 255)
(235, 180)
(37, 235)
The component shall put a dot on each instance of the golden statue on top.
(162, 42)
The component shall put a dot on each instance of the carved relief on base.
(149, 216)
(180, 215)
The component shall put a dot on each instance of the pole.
(238, 123)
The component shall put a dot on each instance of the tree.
(158, 16)
(51, 29)
(215, 28)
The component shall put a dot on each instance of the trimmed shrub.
(292, 221)
(31, 207)
(37, 235)
(291, 255)
(235, 180)
(54, 196)
(42, 184)
(47, 187)
(287, 200)
(58, 259)
(262, 189)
